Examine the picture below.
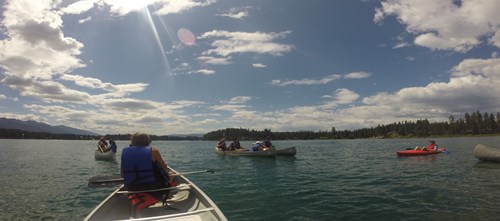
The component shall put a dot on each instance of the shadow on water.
(487, 165)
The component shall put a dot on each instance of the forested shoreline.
(470, 125)
(473, 124)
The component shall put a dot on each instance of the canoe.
(486, 153)
(419, 152)
(291, 151)
(185, 202)
(264, 153)
(107, 156)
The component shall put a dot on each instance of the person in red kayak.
(432, 147)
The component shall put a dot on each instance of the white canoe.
(108, 156)
(244, 152)
(485, 153)
(189, 203)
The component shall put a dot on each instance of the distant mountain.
(34, 126)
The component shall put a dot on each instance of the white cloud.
(178, 6)
(401, 45)
(81, 21)
(444, 25)
(214, 60)
(93, 83)
(226, 43)
(236, 13)
(259, 65)
(79, 7)
(308, 81)
(340, 96)
(239, 100)
(357, 75)
(205, 71)
(323, 80)
(45, 90)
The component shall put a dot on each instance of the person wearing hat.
(267, 143)
(222, 144)
(256, 146)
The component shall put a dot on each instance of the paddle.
(110, 181)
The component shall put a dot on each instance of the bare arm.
(156, 157)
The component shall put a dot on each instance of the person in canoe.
(222, 144)
(112, 146)
(267, 144)
(235, 145)
(257, 146)
(432, 147)
(143, 168)
(101, 145)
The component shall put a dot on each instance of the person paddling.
(235, 145)
(112, 146)
(222, 144)
(432, 147)
(143, 168)
(101, 146)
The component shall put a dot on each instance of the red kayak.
(403, 153)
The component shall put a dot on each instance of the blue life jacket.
(137, 167)
(113, 147)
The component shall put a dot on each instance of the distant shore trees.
(471, 124)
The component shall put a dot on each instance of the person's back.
(222, 144)
(112, 146)
(137, 167)
(140, 169)
(256, 147)
(432, 147)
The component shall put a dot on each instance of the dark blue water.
(326, 180)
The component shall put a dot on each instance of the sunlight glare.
(186, 36)
(158, 40)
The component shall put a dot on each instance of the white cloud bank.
(446, 24)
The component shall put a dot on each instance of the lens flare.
(186, 36)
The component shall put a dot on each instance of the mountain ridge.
(34, 126)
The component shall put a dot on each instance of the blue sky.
(193, 66)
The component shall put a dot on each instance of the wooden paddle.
(111, 181)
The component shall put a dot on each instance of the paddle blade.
(105, 181)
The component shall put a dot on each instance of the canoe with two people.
(151, 190)
(104, 151)
(263, 146)
(103, 146)
(432, 148)
(235, 145)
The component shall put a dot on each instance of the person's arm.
(156, 157)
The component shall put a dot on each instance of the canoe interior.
(188, 203)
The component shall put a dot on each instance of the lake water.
(326, 180)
